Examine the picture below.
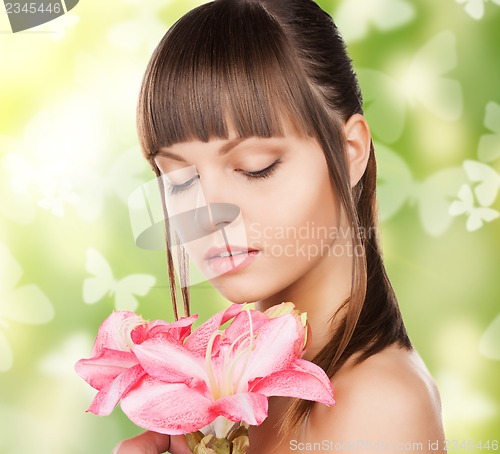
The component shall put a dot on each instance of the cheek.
(296, 208)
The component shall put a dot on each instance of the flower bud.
(300, 317)
(241, 444)
(237, 442)
(193, 439)
(210, 444)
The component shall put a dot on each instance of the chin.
(238, 294)
(237, 297)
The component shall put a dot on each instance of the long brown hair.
(258, 65)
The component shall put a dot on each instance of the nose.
(216, 216)
(199, 222)
(213, 211)
(204, 210)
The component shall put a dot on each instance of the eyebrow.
(223, 150)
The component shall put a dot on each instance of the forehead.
(224, 145)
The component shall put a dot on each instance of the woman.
(259, 101)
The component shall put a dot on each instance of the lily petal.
(168, 408)
(303, 382)
(274, 348)
(197, 342)
(99, 371)
(313, 369)
(179, 330)
(169, 361)
(248, 407)
(107, 398)
(241, 324)
(107, 333)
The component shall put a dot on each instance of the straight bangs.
(225, 68)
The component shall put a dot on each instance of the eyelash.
(264, 173)
(178, 188)
(257, 175)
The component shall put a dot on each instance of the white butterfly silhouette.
(24, 304)
(56, 200)
(487, 177)
(354, 17)
(387, 98)
(489, 144)
(476, 216)
(486, 192)
(475, 8)
(103, 283)
(397, 186)
(489, 344)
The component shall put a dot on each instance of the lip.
(240, 258)
(215, 252)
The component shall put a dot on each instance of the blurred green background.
(69, 159)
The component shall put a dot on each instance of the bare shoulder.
(390, 398)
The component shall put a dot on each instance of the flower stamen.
(209, 366)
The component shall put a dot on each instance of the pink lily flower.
(222, 377)
(113, 368)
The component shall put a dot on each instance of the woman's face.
(257, 215)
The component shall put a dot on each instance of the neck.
(320, 293)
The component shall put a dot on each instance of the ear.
(357, 133)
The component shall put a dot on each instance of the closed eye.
(255, 175)
(263, 173)
(178, 188)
